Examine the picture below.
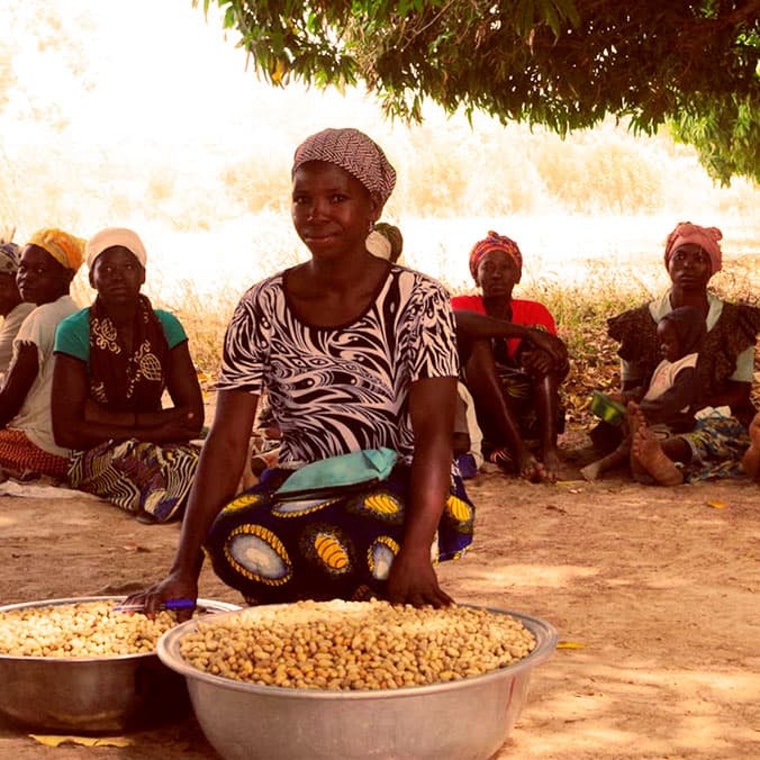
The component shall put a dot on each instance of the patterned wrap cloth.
(495, 242)
(66, 249)
(21, 459)
(124, 381)
(340, 545)
(353, 152)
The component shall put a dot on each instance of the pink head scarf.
(494, 242)
(707, 238)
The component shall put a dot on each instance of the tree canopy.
(690, 65)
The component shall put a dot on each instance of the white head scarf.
(113, 236)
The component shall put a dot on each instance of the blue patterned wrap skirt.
(335, 546)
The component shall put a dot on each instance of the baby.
(668, 401)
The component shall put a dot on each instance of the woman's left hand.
(168, 426)
(412, 580)
(537, 362)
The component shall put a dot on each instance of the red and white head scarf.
(494, 242)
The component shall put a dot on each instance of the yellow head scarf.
(66, 249)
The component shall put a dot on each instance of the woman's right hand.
(412, 580)
(174, 587)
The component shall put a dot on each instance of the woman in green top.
(113, 362)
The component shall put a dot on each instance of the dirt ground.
(654, 592)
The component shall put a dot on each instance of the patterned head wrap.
(705, 237)
(66, 249)
(113, 236)
(353, 152)
(494, 242)
(10, 254)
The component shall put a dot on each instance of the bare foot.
(636, 422)
(592, 471)
(523, 462)
(531, 469)
(553, 465)
(751, 458)
(648, 456)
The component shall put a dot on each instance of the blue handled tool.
(169, 604)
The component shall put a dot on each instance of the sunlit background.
(144, 114)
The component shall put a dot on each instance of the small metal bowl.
(91, 695)
(467, 719)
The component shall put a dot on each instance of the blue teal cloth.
(72, 336)
(366, 466)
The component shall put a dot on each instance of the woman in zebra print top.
(354, 353)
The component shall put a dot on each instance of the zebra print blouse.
(334, 390)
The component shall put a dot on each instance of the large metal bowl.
(467, 719)
(92, 694)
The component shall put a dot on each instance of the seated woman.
(28, 450)
(513, 364)
(13, 309)
(667, 402)
(113, 362)
(715, 446)
(355, 353)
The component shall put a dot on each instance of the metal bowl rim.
(227, 607)
(546, 642)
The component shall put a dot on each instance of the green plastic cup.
(605, 408)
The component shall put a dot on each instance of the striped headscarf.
(10, 254)
(66, 249)
(353, 152)
(707, 238)
(494, 242)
